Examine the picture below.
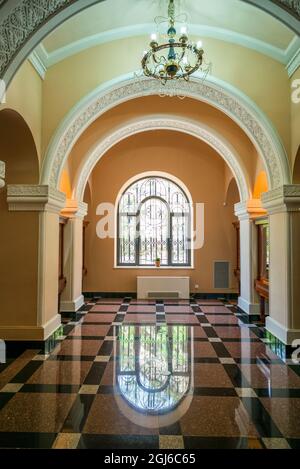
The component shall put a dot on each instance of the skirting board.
(248, 308)
(30, 332)
(72, 306)
(287, 336)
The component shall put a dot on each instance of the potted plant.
(157, 262)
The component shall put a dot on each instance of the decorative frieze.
(34, 198)
(283, 198)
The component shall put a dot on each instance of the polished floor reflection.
(137, 374)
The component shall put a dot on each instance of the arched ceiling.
(24, 24)
(230, 20)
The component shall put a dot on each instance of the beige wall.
(199, 168)
(295, 132)
(263, 79)
(25, 95)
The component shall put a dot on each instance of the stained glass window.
(154, 222)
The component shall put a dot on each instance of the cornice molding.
(282, 199)
(75, 209)
(204, 31)
(34, 198)
(249, 209)
(195, 129)
(38, 64)
(216, 93)
(2, 174)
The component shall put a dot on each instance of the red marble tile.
(215, 309)
(249, 350)
(234, 332)
(78, 347)
(274, 376)
(217, 417)
(38, 412)
(181, 319)
(204, 350)
(91, 331)
(211, 375)
(199, 332)
(286, 415)
(99, 317)
(178, 309)
(106, 418)
(141, 309)
(61, 372)
(222, 319)
(140, 318)
(105, 308)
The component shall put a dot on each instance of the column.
(283, 206)
(31, 277)
(247, 212)
(72, 298)
(2, 174)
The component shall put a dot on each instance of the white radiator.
(163, 287)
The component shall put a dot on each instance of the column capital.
(75, 209)
(249, 209)
(2, 174)
(34, 198)
(282, 199)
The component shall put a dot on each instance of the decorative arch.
(215, 92)
(24, 24)
(187, 126)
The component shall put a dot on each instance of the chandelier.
(176, 58)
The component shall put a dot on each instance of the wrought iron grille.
(154, 222)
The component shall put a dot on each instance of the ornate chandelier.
(177, 58)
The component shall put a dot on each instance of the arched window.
(154, 221)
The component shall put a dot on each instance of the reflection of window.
(154, 222)
(153, 367)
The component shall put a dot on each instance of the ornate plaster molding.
(218, 94)
(250, 209)
(293, 6)
(282, 199)
(75, 209)
(34, 198)
(2, 174)
(167, 123)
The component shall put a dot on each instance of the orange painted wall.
(199, 168)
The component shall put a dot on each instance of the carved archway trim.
(186, 126)
(214, 92)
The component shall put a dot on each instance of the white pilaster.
(283, 206)
(72, 298)
(48, 202)
(247, 212)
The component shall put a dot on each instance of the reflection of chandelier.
(177, 58)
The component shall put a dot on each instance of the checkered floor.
(242, 395)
